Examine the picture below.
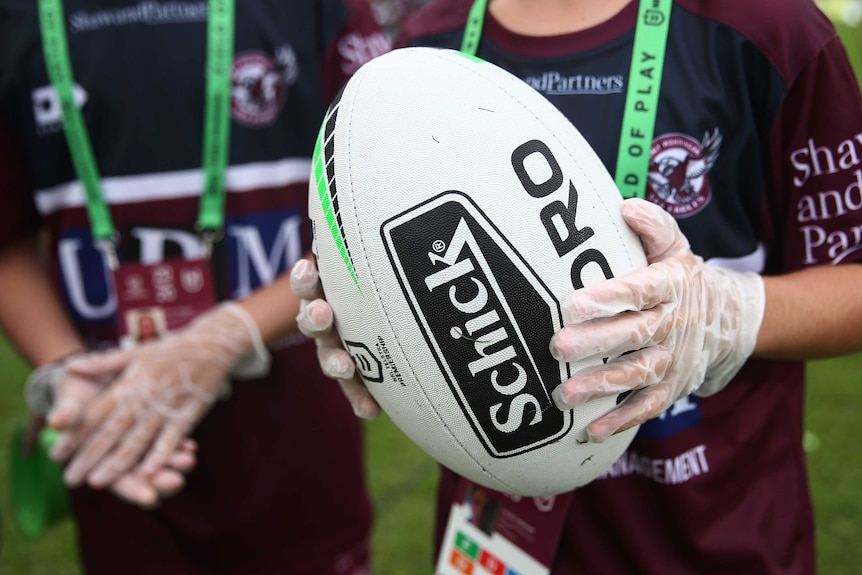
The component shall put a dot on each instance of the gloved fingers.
(168, 482)
(315, 318)
(171, 478)
(91, 416)
(182, 460)
(136, 490)
(64, 446)
(71, 398)
(164, 446)
(641, 289)
(100, 366)
(189, 444)
(643, 368)
(614, 336)
(304, 280)
(146, 494)
(363, 404)
(84, 378)
(130, 447)
(642, 405)
(334, 361)
(96, 445)
(157, 405)
(658, 229)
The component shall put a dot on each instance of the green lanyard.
(216, 144)
(641, 105)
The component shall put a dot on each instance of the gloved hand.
(159, 392)
(52, 382)
(316, 320)
(146, 492)
(688, 326)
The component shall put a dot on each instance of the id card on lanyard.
(489, 532)
(152, 299)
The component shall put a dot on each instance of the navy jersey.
(274, 453)
(757, 154)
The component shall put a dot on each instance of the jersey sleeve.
(354, 39)
(817, 207)
(18, 215)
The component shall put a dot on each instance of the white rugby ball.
(452, 208)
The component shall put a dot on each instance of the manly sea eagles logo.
(677, 179)
(487, 318)
(260, 85)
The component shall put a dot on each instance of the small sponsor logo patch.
(367, 364)
(47, 111)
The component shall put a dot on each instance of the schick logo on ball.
(487, 318)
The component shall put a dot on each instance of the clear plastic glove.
(147, 491)
(159, 392)
(316, 320)
(684, 326)
(70, 396)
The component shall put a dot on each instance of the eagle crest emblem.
(679, 166)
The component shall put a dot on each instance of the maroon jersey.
(757, 154)
(279, 486)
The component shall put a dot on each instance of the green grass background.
(402, 482)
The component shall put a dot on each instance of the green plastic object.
(37, 493)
